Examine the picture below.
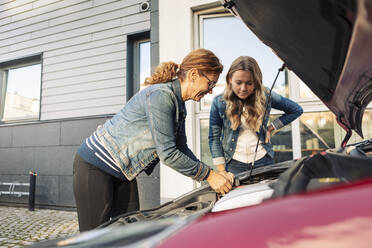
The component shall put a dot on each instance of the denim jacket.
(222, 139)
(151, 126)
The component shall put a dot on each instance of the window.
(305, 92)
(281, 141)
(366, 129)
(229, 38)
(138, 62)
(317, 132)
(236, 41)
(144, 62)
(314, 131)
(320, 131)
(20, 84)
(367, 124)
(300, 91)
(206, 156)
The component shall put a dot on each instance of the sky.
(25, 81)
(145, 67)
(229, 38)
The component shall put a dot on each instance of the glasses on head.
(211, 83)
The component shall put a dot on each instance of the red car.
(333, 218)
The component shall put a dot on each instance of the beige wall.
(175, 41)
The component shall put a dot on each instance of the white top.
(246, 145)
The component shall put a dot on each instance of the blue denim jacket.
(222, 139)
(151, 126)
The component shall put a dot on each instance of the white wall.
(175, 41)
(84, 50)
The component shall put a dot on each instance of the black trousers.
(100, 196)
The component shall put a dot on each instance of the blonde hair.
(254, 105)
(202, 59)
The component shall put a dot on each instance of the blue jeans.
(235, 166)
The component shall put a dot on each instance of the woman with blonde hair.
(236, 117)
(148, 129)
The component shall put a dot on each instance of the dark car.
(322, 200)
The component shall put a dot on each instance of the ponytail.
(201, 59)
(164, 72)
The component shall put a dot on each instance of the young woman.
(236, 117)
(150, 127)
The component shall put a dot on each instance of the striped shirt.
(93, 151)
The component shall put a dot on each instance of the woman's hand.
(228, 175)
(268, 137)
(219, 182)
(268, 134)
(223, 172)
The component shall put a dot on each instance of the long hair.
(202, 59)
(253, 107)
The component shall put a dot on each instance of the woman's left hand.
(268, 137)
(268, 134)
(228, 175)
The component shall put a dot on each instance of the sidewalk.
(20, 227)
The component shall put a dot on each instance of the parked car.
(321, 200)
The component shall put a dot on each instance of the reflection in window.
(205, 154)
(236, 41)
(144, 62)
(138, 62)
(305, 91)
(281, 141)
(367, 124)
(317, 132)
(320, 131)
(366, 128)
(22, 93)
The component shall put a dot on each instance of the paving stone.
(20, 227)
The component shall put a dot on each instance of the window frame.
(200, 113)
(309, 105)
(4, 72)
(133, 62)
(199, 17)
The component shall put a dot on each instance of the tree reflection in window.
(317, 132)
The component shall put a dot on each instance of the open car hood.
(326, 43)
(146, 228)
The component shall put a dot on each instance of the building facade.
(66, 67)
